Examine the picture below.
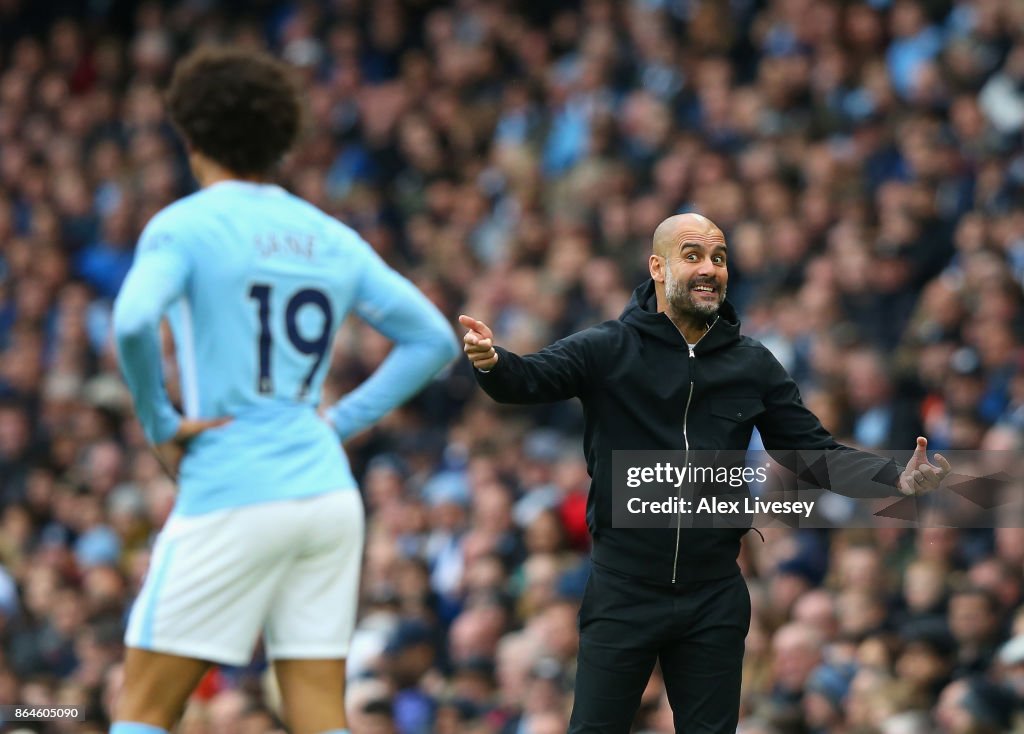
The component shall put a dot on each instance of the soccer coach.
(672, 372)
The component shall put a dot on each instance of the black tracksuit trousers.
(696, 630)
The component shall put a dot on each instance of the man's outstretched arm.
(796, 439)
(558, 372)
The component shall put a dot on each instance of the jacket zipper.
(686, 447)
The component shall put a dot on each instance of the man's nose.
(706, 267)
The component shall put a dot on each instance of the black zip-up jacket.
(642, 388)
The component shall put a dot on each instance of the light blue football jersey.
(255, 282)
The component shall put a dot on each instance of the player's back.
(272, 278)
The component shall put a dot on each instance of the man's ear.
(656, 264)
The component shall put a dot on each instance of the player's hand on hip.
(477, 343)
(920, 476)
(170, 453)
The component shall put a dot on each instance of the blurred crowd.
(865, 159)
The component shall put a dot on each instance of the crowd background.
(865, 159)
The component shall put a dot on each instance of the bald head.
(679, 228)
(687, 265)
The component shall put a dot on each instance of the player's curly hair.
(240, 108)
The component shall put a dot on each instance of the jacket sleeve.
(558, 372)
(795, 438)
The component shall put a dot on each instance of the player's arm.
(157, 278)
(557, 372)
(424, 345)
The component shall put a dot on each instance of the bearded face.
(698, 296)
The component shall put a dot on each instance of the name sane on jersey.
(274, 243)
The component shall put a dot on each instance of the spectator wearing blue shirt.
(916, 42)
(105, 263)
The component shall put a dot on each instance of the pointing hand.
(477, 343)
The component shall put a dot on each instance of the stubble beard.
(680, 298)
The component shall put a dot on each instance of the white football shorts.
(289, 569)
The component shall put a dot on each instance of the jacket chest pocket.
(736, 410)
